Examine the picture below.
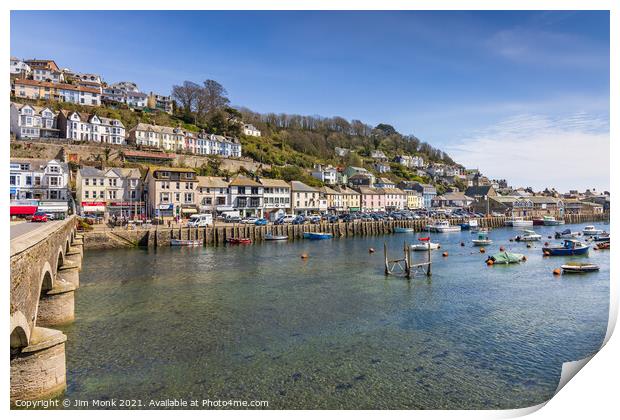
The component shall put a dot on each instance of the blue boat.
(317, 235)
(570, 247)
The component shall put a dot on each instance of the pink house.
(372, 199)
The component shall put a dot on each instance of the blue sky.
(476, 84)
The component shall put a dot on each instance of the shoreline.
(214, 236)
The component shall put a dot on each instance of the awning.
(189, 211)
(23, 210)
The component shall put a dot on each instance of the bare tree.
(187, 95)
(213, 96)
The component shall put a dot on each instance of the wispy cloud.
(539, 151)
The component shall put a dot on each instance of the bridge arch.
(20, 331)
(47, 278)
(60, 259)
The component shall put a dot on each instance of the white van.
(200, 220)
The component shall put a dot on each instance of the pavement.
(19, 229)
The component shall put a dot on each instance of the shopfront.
(165, 210)
(58, 208)
(127, 210)
(93, 208)
(23, 208)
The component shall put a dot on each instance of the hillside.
(290, 142)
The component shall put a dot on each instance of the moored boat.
(602, 245)
(184, 242)
(529, 236)
(443, 226)
(577, 267)
(506, 257)
(317, 235)
(403, 230)
(483, 239)
(603, 237)
(239, 241)
(538, 221)
(569, 247)
(471, 224)
(591, 231)
(566, 234)
(272, 237)
(425, 245)
(551, 221)
(516, 221)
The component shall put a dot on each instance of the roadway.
(19, 229)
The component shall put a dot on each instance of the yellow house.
(415, 200)
(349, 198)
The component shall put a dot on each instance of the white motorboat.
(425, 245)
(591, 231)
(552, 221)
(566, 234)
(529, 236)
(483, 239)
(518, 222)
(443, 226)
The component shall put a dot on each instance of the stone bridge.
(45, 265)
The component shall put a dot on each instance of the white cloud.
(571, 152)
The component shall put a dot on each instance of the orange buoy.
(482, 250)
(557, 272)
(445, 254)
(371, 250)
(490, 262)
(502, 249)
(304, 256)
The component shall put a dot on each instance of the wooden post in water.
(407, 260)
(387, 269)
(428, 266)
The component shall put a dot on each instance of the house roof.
(89, 171)
(478, 190)
(64, 86)
(167, 169)
(36, 108)
(345, 190)
(299, 186)
(269, 182)
(327, 190)
(212, 182)
(244, 181)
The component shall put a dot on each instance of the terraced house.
(33, 122)
(157, 136)
(276, 197)
(246, 195)
(213, 194)
(61, 92)
(171, 192)
(81, 126)
(304, 198)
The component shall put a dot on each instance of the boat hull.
(276, 238)
(317, 235)
(424, 247)
(183, 242)
(403, 230)
(585, 268)
(477, 242)
(566, 251)
(522, 223)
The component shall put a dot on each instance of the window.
(100, 182)
(178, 185)
(86, 181)
(221, 201)
(86, 194)
(177, 196)
(54, 181)
(28, 180)
(14, 179)
(101, 194)
(189, 197)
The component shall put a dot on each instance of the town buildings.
(19, 68)
(171, 192)
(427, 190)
(350, 199)
(333, 198)
(246, 195)
(33, 122)
(81, 126)
(61, 92)
(161, 102)
(39, 185)
(454, 199)
(45, 70)
(304, 199)
(276, 198)
(113, 192)
(213, 195)
(327, 174)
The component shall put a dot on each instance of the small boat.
(518, 222)
(317, 235)
(425, 245)
(566, 234)
(603, 237)
(483, 239)
(506, 258)
(577, 267)
(184, 242)
(239, 241)
(570, 247)
(481, 230)
(551, 221)
(529, 236)
(602, 245)
(403, 230)
(538, 221)
(443, 226)
(591, 231)
(272, 237)
(471, 224)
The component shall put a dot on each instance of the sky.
(520, 95)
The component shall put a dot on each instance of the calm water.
(258, 323)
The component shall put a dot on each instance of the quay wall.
(213, 236)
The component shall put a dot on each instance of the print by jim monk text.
(141, 404)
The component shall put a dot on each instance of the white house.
(20, 68)
(32, 122)
(250, 130)
(39, 179)
(276, 197)
(81, 126)
(246, 195)
(328, 174)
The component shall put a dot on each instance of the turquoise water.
(259, 323)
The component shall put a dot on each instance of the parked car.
(249, 220)
(299, 220)
(261, 222)
(39, 217)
